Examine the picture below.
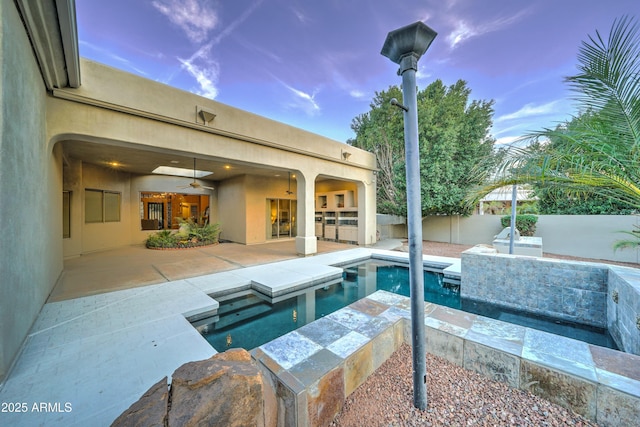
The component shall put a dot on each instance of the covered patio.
(135, 266)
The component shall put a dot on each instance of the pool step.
(239, 316)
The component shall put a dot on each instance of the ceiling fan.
(196, 185)
(289, 190)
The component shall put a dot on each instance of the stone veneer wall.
(573, 291)
(623, 308)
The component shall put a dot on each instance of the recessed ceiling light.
(227, 167)
(277, 174)
(175, 162)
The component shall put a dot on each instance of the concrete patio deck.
(135, 266)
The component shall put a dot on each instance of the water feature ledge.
(317, 366)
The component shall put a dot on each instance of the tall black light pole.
(514, 202)
(405, 46)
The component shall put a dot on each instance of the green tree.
(597, 153)
(453, 135)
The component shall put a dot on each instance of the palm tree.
(598, 152)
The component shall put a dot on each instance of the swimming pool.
(250, 319)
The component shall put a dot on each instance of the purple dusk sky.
(317, 64)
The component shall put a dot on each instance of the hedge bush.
(526, 224)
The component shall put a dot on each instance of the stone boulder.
(226, 390)
(150, 410)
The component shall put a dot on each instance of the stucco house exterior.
(79, 143)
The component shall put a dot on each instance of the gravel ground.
(455, 397)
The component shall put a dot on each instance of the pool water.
(250, 320)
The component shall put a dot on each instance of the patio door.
(155, 210)
(281, 218)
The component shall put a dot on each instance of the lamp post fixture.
(405, 46)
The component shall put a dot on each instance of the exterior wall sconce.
(205, 115)
(346, 155)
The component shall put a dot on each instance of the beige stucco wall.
(231, 199)
(589, 236)
(105, 111)
(30, 190)
(72, 182)
(106, 235)
(243, 201)
(336, 185)
(258, 190)
(118, 88)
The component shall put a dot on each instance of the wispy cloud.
(201, 65)
(506, 140)
(518, 127)
(460, 33)
(207, 77)
(464, 30)
(112, 57)
(259, 49)
(195, 18)
(302, 100)
(422, 73)
(358, 94)
(530, 110)
(300, 16)
(237, 22)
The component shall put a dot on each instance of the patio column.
(367, 211)
(306, 240)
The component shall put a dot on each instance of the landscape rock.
(227, 389)
(150, 410)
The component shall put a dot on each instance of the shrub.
(526, 224)
(189, 235)
(161, 239)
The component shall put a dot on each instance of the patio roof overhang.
(52, 29)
